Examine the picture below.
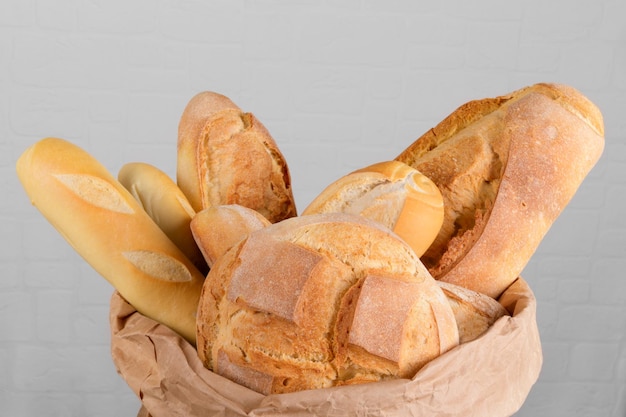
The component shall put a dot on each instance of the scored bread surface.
(105, 224)
(391, 193)
(165, 203)
(506, 168)
(293, 306)
(227, 156)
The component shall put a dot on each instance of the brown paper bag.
(490, 376)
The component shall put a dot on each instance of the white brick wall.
(340, 84)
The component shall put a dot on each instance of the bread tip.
(24, 162)
(575, 101)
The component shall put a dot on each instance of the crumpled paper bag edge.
(164, 371)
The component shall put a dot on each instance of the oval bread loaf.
(226, 156)
(102, 221)
(318, 301)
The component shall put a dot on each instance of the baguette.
(102, 221)
(392, 193)
(321, 300)
(226, 156)
(506, 167)
(166, 204)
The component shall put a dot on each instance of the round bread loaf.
(392, 193)
(318, 301)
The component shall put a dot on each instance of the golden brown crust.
(226, 156)
(200, 109)
(216, 229)
(390, 320)
(166, 204)
(474, 110)
(391, 193)
(474, 312)
(302, 303)
(112, 232)
(506, 168)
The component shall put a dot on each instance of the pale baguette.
(166, 204)
(102, 221)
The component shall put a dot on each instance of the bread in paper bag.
(489, 376)
(321, 300)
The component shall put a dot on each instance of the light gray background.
(340, 85)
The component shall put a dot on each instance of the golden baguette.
(102, 221)
(506, 167)
(166, 204)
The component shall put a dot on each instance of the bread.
(474, 312)
(166, 204)
(392, 193)
(506, 167)
(218, 228)
(321, 300)
(226, 156)
(102, 221)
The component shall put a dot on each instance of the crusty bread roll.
(166, 204)
(318, 301)
(474, 312)
(102, 221)
(226, 156)
(218, 228)
(506, 167)
(391, 193)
